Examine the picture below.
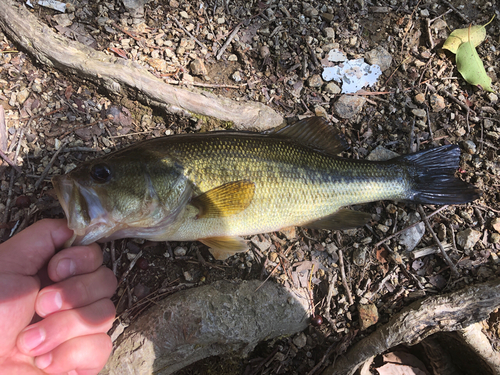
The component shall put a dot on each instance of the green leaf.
(471, 67)
(459, 36)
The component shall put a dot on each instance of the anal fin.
(342, 219)
(224, 247)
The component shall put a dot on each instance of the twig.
(188, 33)
(131, 265)
(49, 165)
(451, 97)
(332, 280)
(10, 162)
(446, 258)
(211, 85)
(344, 279)
(411, 226)
(461, 15)
(228, 41)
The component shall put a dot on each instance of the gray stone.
(412, 236)
(332, 88)
(349, 105)
(467, 239)
(300, 340)
(198, 68)
(380, 153)
(311, 12)
(315, 81)
(437, 103)
(469, 146)
(180, 251)
(329, 33)
(22, 96)
(420, 113)
(495, 224)
(380, 57)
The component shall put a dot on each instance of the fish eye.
(100, 173)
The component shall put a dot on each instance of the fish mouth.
(84, 211)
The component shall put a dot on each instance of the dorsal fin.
(315, 132)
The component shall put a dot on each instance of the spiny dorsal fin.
(315, 132)
(223, 247)
(343, 219)
(225, 200)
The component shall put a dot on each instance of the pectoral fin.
(223, 247)
(343, 219)
(225, 200)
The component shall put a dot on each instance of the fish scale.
(215, 187)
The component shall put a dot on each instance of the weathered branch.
(211, 320)
(121, 76)
(450, 312)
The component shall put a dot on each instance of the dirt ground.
(54, 121)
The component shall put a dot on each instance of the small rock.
(437, 103)
(469, 146)
(289, 232)
(297, 88)
(379, 56)
(425, 54)
(180, 251)
(183, 14)
(493, 97)
(198, 68)
(232, 58)
(64, 19)
(359, 256)
(420, 98)
(315, 81)
(380, 153)
(420, 113)
(188, 277)
(495, 224)
(264, 52)
(262, 245)
(273, 256)
(158, 64)
(300, 340)
(320, 111)
(310, 12)
(22, 96)
(383, 228)
(467, 239)
(441, 232)
(173, 3)
(412, 236)
(332, 88)
(328, 17)
(368, 315)
(424, 12)
(36, 87)
(236, 76)
(329, 33)
(349, 105)
(221, 20)
(495, 238)
(141, 291)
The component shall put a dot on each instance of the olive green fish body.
(215, 187)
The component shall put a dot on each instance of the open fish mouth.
(84, 211)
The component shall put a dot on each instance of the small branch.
(188, 33)
(49, 165)
(344, 278)
(446, 258)
(460, 14)
(228, 41)
(10, 162)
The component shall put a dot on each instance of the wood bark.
(220, 318)
(450, 312)
(125, 77)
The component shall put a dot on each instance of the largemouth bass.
(215, 187)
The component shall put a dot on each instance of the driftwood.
(220, 318)
(450, 312)
(120, 76)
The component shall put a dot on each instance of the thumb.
(28, 251)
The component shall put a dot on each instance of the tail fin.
(433, 175)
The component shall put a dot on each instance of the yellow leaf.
(459, 36)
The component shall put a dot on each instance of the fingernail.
(33, 337)
(65, 268)
(43, 361)
(49, 302)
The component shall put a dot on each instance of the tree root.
(216, 319)
(450, 312)
(125, 77)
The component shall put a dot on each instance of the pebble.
(36, 87)
(22, 96)
(264, 52)
(420, 98)
(188, 277)
(493, 97)
(328, 17)
(441, 232)
(232, 58)
(262, 245)
(424, 12)
(236, 76)
(437, 103)
(184, 14)
(495, 238)
(329, 33)
(420, 113)
(349, 105)
(315, 81)
(412, 236)
(469, 147)
(311, 12)
(173, 3)
(368, 315)
(495, 224)
(332, 88)
(467, 239)
(300, 340)
(141, 291)
(180, 251)
(158, 64)
(379, 56)
(380, 153)
(320, 111)
(297, 89)
(198, 68)
(359, 256)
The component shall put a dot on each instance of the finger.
(75, 261)
(85, 355)
(29, 250)
(42, 337)
(77, 291)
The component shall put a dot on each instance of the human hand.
(76, 310)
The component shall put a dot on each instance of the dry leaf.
(459, 36)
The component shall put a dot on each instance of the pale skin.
(69, 291)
